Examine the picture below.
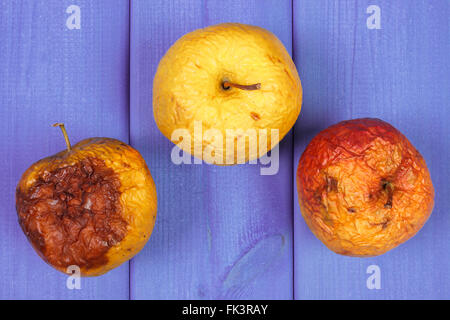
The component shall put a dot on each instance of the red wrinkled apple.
(363, 188)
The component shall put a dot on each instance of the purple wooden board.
(48, 74)
(221, 232)
(224, 232)
(399, 73)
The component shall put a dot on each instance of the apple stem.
(390, 190)
(227, 85)
(66, 137)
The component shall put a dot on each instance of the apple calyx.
(66, 137)
(390, 191)
(226, 85)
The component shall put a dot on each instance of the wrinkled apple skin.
(138, 202)
(188, 86)
(363, 188)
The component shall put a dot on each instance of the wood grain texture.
(224, 232)
(50, 74)
(399, 73)
(221, 232)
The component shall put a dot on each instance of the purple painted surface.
(48, 74)
(221, 232)
(224, 232)
(399, 73)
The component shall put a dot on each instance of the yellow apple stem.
(390, 190)
(226, 85)
(66, 137)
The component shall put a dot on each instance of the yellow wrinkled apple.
(226, 81)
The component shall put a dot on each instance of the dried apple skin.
(93, 207)
(363, 188)
(187, 87)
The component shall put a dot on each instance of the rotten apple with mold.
(92, 205)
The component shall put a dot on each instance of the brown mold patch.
(255, 116)
(331, 184)
(388, 187)
(383, 224)
(72, 215)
